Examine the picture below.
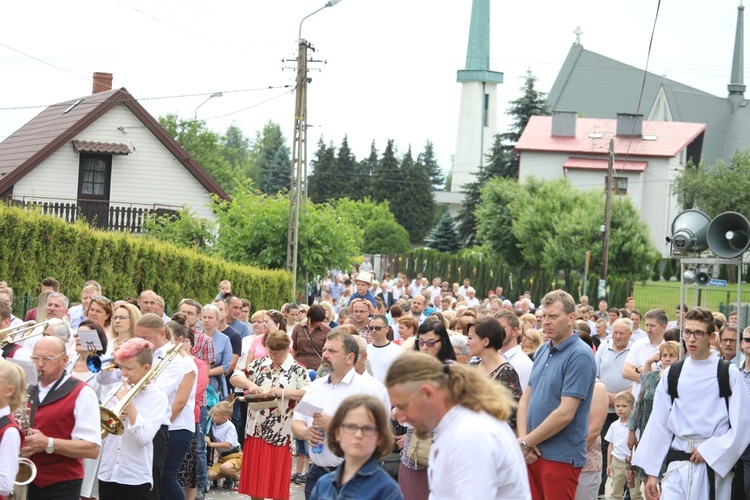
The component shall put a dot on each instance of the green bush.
(668, 271)
(37, 246)
(385, 236)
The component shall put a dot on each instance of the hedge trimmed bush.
(36, 246)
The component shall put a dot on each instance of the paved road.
(297, 493)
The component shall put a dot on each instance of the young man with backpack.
(696, 423)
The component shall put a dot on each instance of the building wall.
(469, 148)
(650, 191)
(149, 176)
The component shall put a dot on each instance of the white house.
(105, 157)
(648, 157)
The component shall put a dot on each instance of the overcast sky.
(391, 64)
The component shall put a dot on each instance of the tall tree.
(412, 201)
(237, 152)
(385, 175)
(320, 184)
(427, 158)
(204, 145)
(501, 162)
(267, 158)
(345, 171)
(367, 167)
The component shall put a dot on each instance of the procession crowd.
(375, 388)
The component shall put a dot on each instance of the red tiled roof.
(597, 164)
(109, 148)
(59, 123)
(670, 137)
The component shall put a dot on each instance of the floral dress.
(507, 375)
(271, 424)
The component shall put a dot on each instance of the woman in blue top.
(361, 433)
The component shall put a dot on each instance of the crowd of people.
(390, 388)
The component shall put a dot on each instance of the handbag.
(260, 402)
(419, 450)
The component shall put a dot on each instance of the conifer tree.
(319, 186)
(427, 158)
(411, 200)
(443, 237)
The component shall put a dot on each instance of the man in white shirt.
(636, 317)
(656, 325)
(464, 290)
(436, 291)
(340, 354)
(473, 453)
(511, 350)
(381, 352)
(698, 432)
(471, 299)
(418, 304)
(63, 405)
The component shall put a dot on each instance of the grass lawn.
(666, 295)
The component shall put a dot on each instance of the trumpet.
(25, 330)
(110, 417)
(95, 363)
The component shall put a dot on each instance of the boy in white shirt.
(225, 440)
(125, 470)
(618, 453)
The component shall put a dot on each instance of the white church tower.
(477, 119)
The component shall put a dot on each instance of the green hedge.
(36, 246)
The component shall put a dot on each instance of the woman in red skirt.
(267, 458)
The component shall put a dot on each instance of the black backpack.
(722, 374)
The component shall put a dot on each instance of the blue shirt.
(370, 482)
(335, 289)
(240, 327)
(567, 369)
(368, 296)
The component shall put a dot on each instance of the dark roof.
(599, 87)
(59, 123)
(110, 148)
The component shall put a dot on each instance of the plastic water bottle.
(318, 448)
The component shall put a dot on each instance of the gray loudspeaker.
(689, 231)
(703, 276)
(728, 235)
(688, 277)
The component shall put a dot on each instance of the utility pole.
(608, 209)
(298, 190)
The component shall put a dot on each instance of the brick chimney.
(102, 82)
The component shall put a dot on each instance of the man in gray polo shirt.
(554, 410)
(610, 359)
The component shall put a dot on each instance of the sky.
(390, 65)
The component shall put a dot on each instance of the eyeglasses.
(376, 328)
(367, 430)
(430, 343)
(698, 334)
(120, 317)
(35, 359)
(729, 341)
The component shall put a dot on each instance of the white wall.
(149, 175)
(469, 148)
(649, 191)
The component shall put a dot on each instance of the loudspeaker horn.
(689, 231)
(688, 277)
(728, 235)
(703, 276)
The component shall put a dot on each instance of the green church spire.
(478, 51)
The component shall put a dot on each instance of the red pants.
(553, 480)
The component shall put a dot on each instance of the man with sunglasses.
(697, 431)
(381, 352)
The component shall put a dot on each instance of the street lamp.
(298, 191)
(215, 94)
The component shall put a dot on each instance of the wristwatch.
(50, 449)
(524, 446)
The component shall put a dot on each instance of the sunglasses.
(429, 343)
(746, 339)
(376, 328)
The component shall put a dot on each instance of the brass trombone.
(26, 331)
(110, 417)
